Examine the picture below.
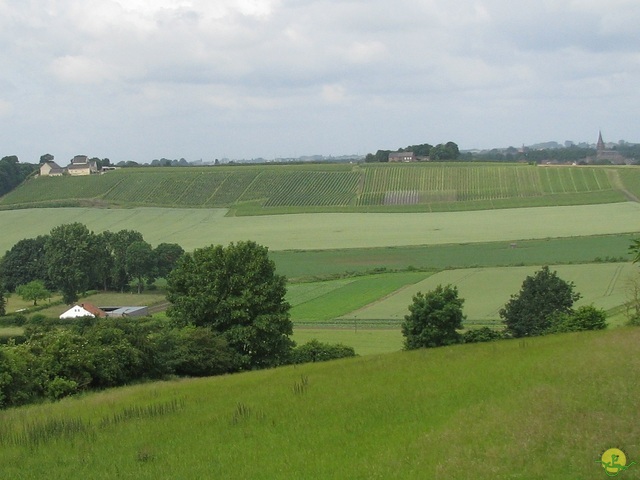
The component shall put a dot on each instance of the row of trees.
(440, 153)
(73, 259)
(543, 305)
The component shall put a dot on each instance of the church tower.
(600, 145)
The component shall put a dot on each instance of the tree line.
(13, 173)
(73, 260)
(443, 152)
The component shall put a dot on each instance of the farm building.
(402, 157)
(125, 311)
(89, 310)
(81, 165)
(51, 169)
(83, 310)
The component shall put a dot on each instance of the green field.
(323, 301)
(318, 264)
(252, 190)
(537, 408)
(364, 339)
(193, 228)
(487, 290)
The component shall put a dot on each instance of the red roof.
(93, 309)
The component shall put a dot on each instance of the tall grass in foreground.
(536, 408)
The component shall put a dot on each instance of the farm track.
(616, 182)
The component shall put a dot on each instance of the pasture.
(193, 228)
(308, 265)
(384, 298)
(545, 407)
(486, 290)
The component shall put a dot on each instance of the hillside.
(537, 408)
(251, 190)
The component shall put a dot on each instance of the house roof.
(83, 310)
(96, 311)
(53, 166)
(75, 312)
(78, 166)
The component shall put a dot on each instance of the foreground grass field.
(193, 228)
(541, 408)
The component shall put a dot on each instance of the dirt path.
(616, 182)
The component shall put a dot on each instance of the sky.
(205, 79)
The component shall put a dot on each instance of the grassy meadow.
(193, 228)
(486, 290)
(538, 408)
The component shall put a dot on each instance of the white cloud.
(5, 108)
(269, 67)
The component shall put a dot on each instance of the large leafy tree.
(167, 255)
(140, 262)
(24, 263)
(118, 243)
(69, 253)
(235, 291)
(33, 291)
(434, 319)
(3, 304)
(543, 295)
(103, 263)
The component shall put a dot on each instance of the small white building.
(76, 312)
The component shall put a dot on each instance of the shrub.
(541, 297)
(315, 351)
(584, 318)
(58, 388)
(190, 351)
(484, 334)
(434, 318)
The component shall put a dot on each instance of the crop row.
(453, 183)
(314, 189)
(296, 186)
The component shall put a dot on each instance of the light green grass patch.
(11, 331)
(16, 304)
(486, 290)
(318, 263)
(365, 341)
(332, 299)
(193, 228)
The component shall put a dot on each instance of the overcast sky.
(205, 79)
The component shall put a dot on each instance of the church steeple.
(600, 145)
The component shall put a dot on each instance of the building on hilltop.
(81, 165)
(51, 169)
(604, 155)
(402, 157)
